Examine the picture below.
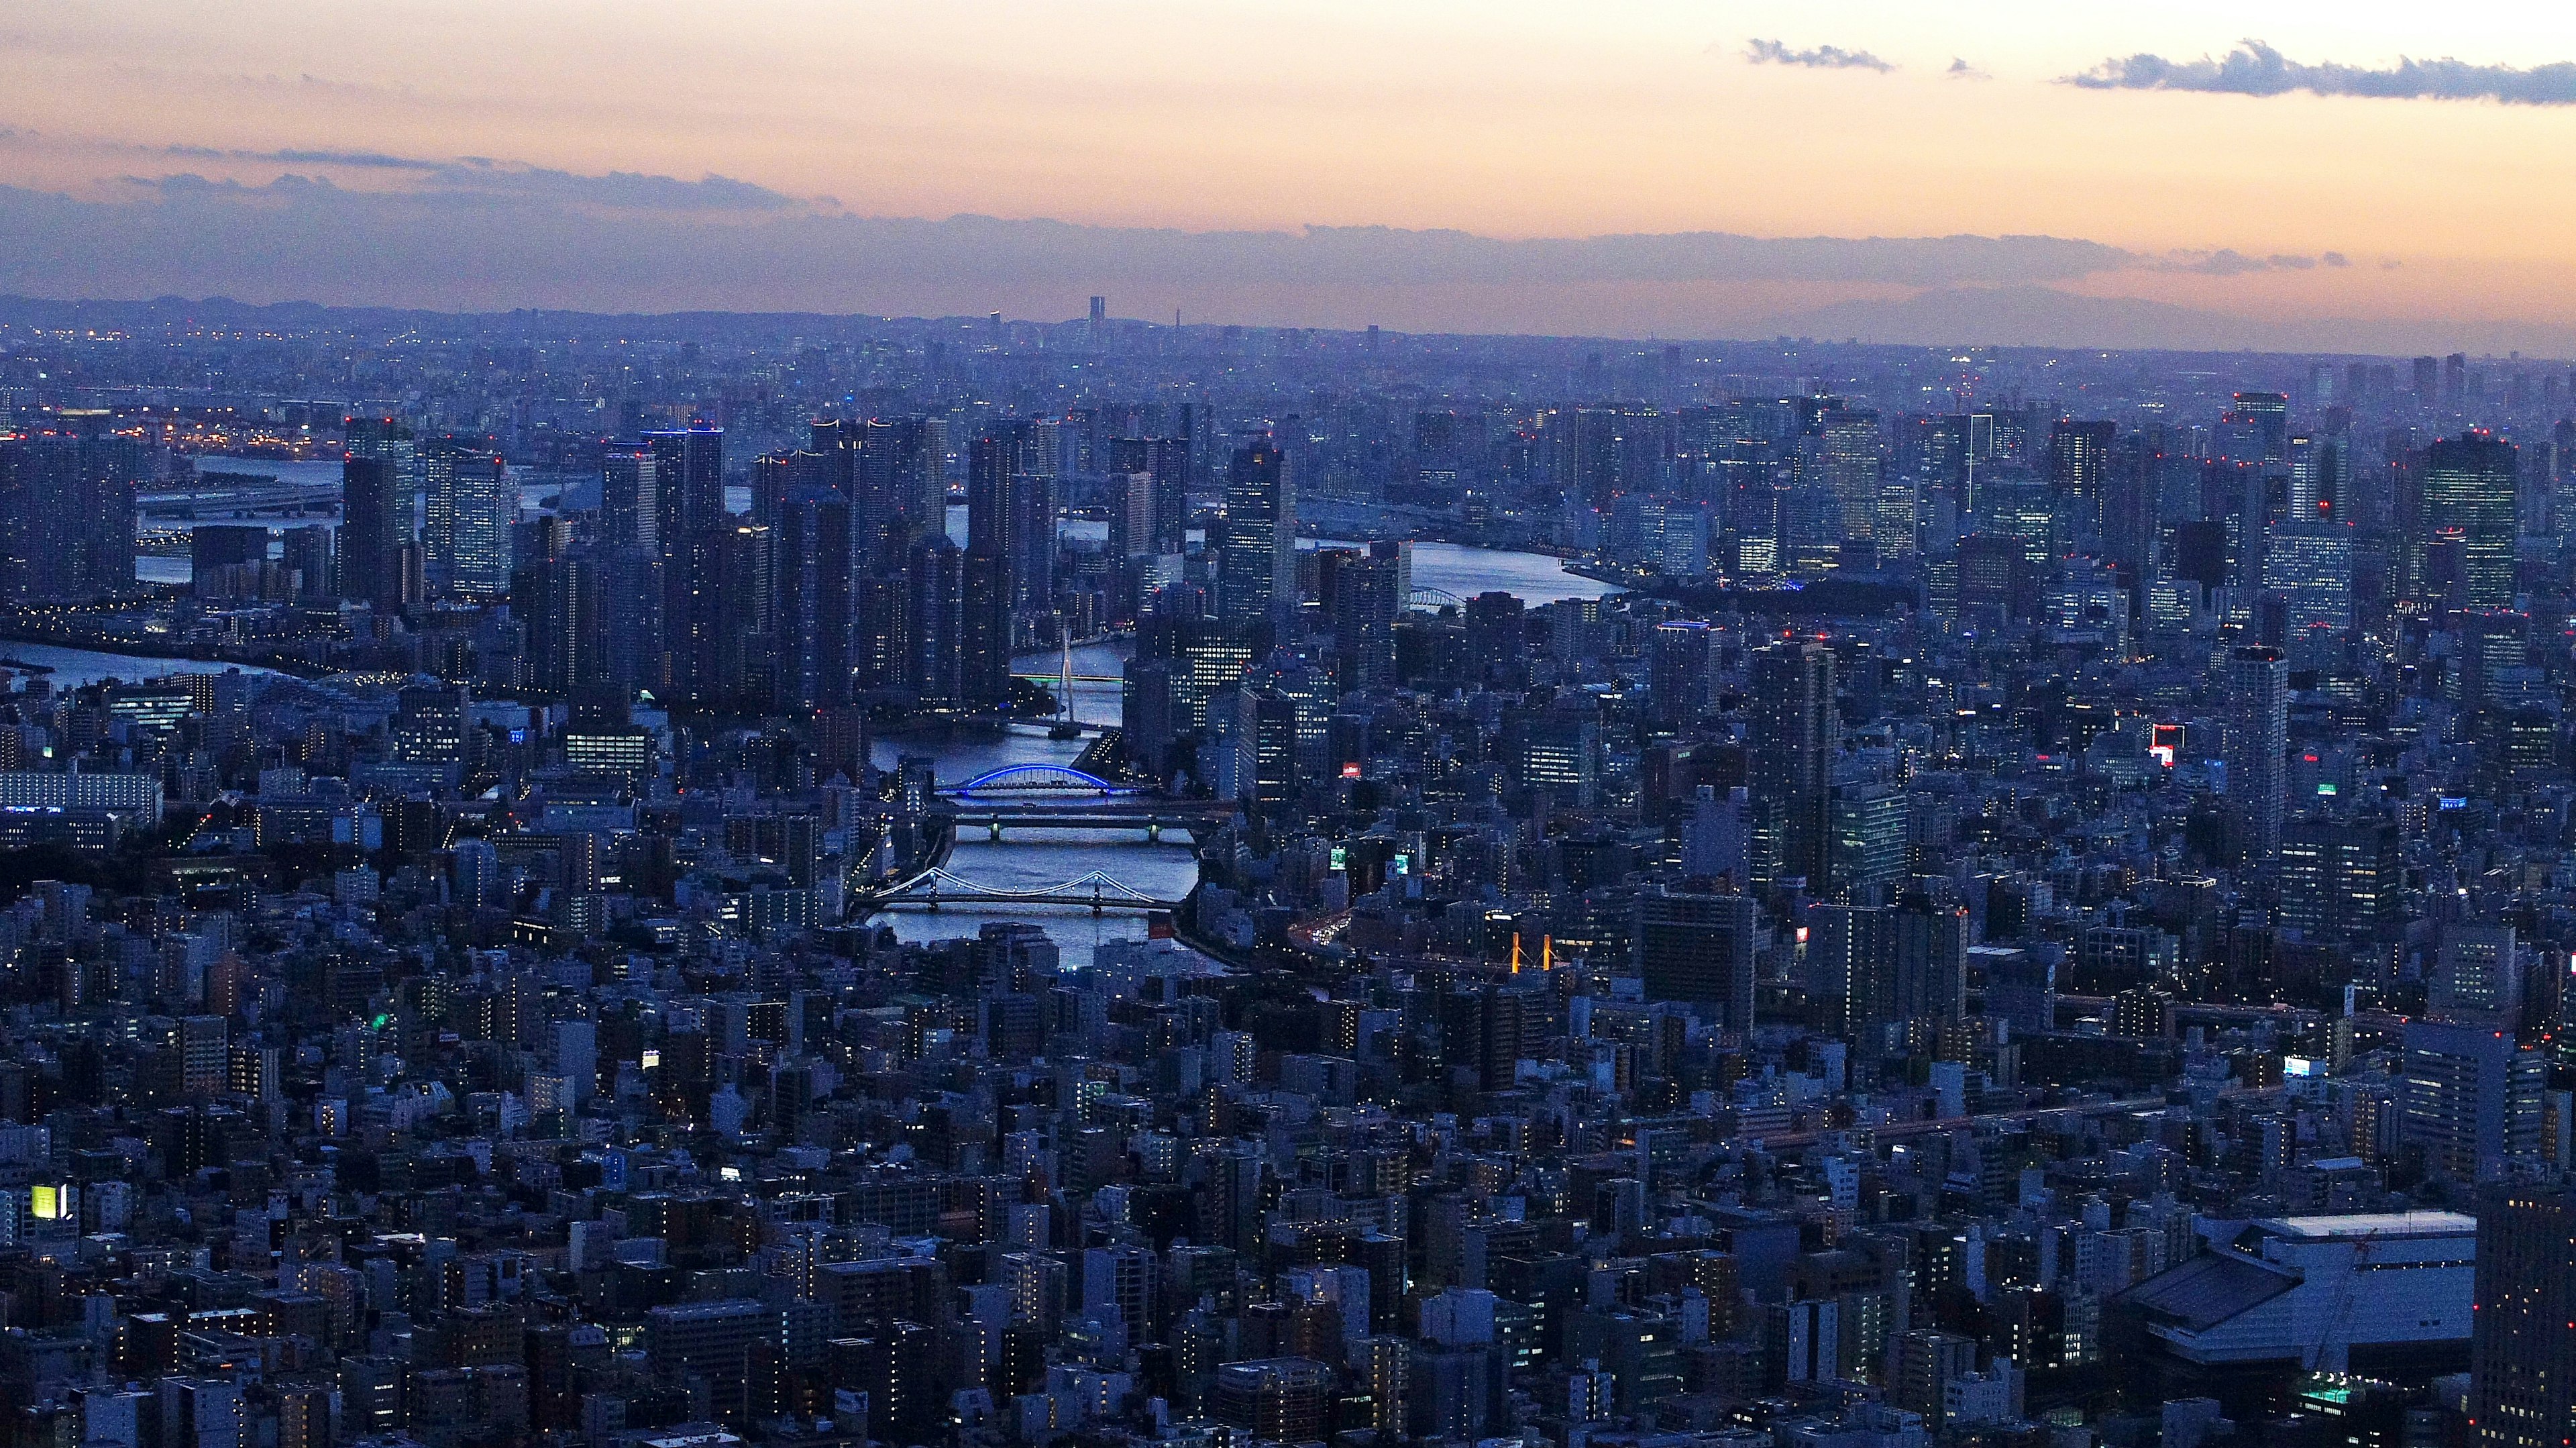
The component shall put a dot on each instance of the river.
(1165, 870)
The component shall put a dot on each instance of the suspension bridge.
(936, 887)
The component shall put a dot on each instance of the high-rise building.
(2258, 741)
(2269, 414)
(1795, 730)
(2522, 1353)
(2310, 566)
(1164, 463)
(371, 531)
(466, 531)
(933, 609)
(1853, 462)
(67, 516)
(1257, 561)
(2339, 878)
(2470, 1099)
(1287, 1400)
(2468, 504)
(690, 521)
(2079, 469)
(1697, 947)
(811, 567)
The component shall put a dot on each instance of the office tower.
(933, 604)
(630, 506)
(2258, 739)
(2468, 502)
(2079, 469)
(1257, 561)
(371, 532)
(1931, 969)
(2470, 1099)
(996, 489)
(1699, 948)
(814, 624)
(2522, 1353)
(746, 621)
(1165, 464)
(2269, 413)
(1099, 322)
(901, 492)
(2476, 977)
(1794, 732)
(690, 517)
(1866, 835)
(2320, 479)
(309, 555)
(2309, 565)
(466, 534)
(1854, 465)
(2340, 879)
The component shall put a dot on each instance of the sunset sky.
(2400, 221)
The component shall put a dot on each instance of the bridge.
(1058, 781)
(1060, 797)
(935, 887)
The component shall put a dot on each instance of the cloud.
(1822, 57)
(491, 182)
(2227, 262)
(2256, 69)
(1961, 70)
(360, 160)
(485, 236)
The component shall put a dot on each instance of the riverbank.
(76, 662)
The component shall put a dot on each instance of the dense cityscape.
(672, 881)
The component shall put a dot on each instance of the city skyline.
(2299, 179)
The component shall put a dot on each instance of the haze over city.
(2357, 177)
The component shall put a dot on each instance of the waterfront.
(72, 668)
(1034, 861)
(1168, 869)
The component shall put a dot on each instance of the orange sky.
(1502, 118)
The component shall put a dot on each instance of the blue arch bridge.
(932, 888)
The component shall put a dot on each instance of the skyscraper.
(814, 616)
(2470, 1098)
(1854, 464)
(996, 522)
(371, 532)
(689, 526)
(467, 521)
(1794, 733)
(2079, 468)
(2468, 500)
(1257, 562)
(2258, 682)
(2522, 1355)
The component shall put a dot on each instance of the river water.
(1166, 870)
